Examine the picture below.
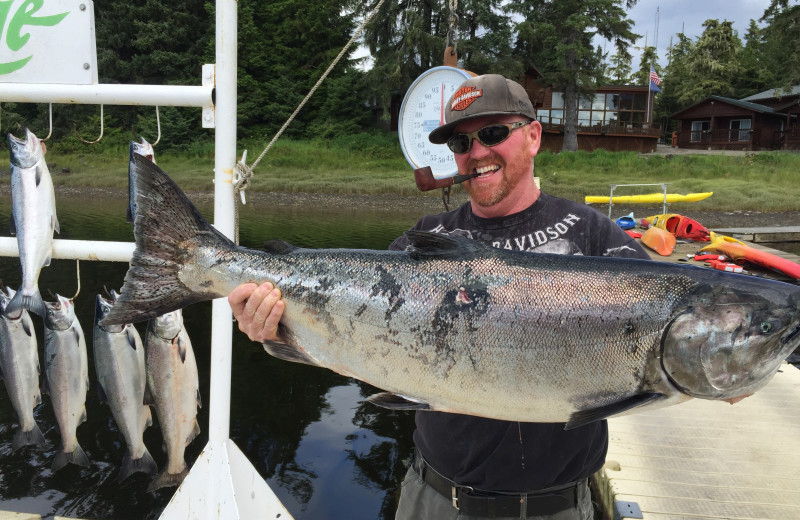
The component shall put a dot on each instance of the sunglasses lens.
(459, 143)
(492, 135)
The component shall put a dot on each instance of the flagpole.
(649, 89)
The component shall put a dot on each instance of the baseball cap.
(487, 95)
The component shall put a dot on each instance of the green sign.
(13, 29)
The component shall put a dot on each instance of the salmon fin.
(76, 456)
(101, 394)
(427, 244)
(32, 302)
(38, 176)
(279, 247)
(199, 400)
(584, 417)
(13, 224)
(148, 419)
(56, 227)
(288, 353)
(397, 402)
(76, 335)
(26, 326)
(165, 479)
(144, 464)
(131, 332)
(181, 348)
(193, 434)
(147, 399)
(33, 437)
(129, 214)
(165, 222)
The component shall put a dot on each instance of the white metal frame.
(222, 482)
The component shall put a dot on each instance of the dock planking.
(708, 459)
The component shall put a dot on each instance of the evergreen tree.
(713, 65)
(782, 42)
(557, 36)
(648, 59)
(620, 70)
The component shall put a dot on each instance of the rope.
(319, 82)
(243, 173)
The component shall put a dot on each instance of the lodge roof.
(773, 93)
(753, 107)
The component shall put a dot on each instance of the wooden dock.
(705, 460)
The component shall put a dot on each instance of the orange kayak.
(741, 252)
(678, 225)
(659, 240)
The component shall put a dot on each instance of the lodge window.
(699, 128)
(621, 109)
(739, 130)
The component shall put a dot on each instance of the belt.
(474, 502)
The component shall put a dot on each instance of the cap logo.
(464, 98)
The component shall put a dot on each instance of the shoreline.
(431, 203)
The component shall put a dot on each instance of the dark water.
(325, 453)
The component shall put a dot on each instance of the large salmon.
(455, 325)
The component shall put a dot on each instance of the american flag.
(654, 77)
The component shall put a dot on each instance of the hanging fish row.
(168, 379)
(131, 375)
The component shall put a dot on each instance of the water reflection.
(326, 453)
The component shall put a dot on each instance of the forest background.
(285, 46)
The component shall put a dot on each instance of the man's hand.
(257, 309)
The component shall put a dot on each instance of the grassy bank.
(374, 164)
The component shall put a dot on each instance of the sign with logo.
(47, 41)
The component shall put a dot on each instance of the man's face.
(506, 180)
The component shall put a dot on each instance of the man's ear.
(535, 136)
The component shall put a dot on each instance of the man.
(471, 467)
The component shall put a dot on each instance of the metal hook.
(158, 124)
(78, 269)
(101, 130)
(50, 110)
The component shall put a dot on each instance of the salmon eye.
(766, 327)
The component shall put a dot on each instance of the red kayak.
(678, 225)
(740, 252)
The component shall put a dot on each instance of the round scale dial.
(422, 111)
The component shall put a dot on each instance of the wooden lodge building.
(762, 121)
(613, 118)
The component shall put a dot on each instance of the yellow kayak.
(650, 198)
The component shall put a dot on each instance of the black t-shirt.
(503, 456)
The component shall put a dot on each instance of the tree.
(409, 37)
(620, 70)
(284, 48)
(649, 59)
(713, 65)
(782, 42)
(557, 35)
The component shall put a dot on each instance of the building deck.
(704, 460)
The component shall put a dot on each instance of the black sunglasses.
(490, 135)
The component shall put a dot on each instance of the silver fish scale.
(468, 332)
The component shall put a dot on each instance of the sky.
(688, 16)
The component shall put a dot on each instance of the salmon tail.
(165, 224)
(32, 302)
(33, 437)
(144, 464)
(166, 479)
(76, 456)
